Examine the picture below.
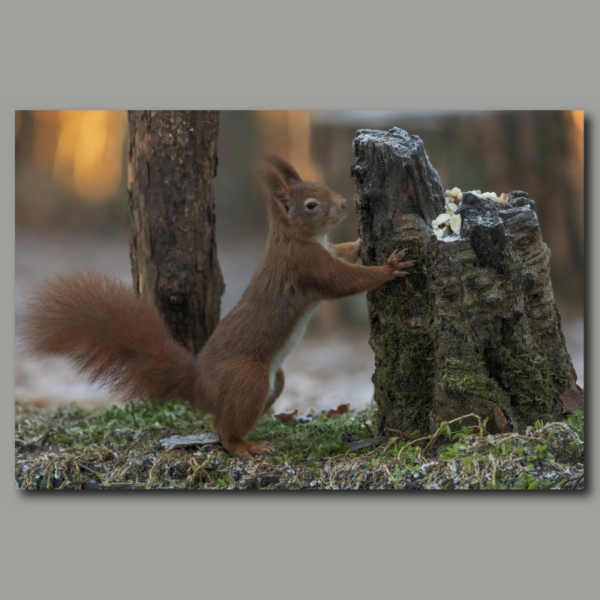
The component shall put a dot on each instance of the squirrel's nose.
(344, 204)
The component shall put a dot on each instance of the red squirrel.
(118, 338)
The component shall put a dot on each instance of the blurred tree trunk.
(474, 327)
(172, 165)
(538, 151)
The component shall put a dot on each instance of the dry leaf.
(304, 418)
(340, 410)
(285, 417)
(572, 400)
(501, 420)
(38, 403)
(575, 380)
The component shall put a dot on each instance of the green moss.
(466, 376)
(322, 438)
(404, 373)
(523, 381)
(576, 422)
(82, 429)
(385, 378)
(528, 380)
(73, 426)
(469, 376)
(404, 379)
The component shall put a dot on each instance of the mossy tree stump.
(474, 327)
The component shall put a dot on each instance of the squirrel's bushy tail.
(111, 334)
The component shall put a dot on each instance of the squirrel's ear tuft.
(278, 189)
(284, 168)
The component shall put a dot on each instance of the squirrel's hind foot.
(261, 448)
(246, 449)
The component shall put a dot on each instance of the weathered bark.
(474, 327)
(172, 165)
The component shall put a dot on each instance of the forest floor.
(170, 446)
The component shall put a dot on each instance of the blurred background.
(71, 199)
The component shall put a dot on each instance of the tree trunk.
(474, 327)
(172, 165)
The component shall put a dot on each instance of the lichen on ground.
(120, 447)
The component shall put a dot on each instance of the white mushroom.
(455, 223)
(452, 207)
(443, 218)
(455, 192)
(489, 194)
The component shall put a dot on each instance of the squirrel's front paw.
(396, 266)
(358, 244)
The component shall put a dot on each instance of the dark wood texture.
(172, 165)
(474, 327)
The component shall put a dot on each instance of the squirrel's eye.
(311, 205)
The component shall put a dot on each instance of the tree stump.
(172, 165)
(474, 327)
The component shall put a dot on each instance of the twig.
(434, 436)
(576, 480)
(477, 473)
(86, 468)
(404, 435)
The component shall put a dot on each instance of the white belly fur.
(295, 336)
(289, 345)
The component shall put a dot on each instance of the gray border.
(166, 56)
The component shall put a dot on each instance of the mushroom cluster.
(450, 222)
